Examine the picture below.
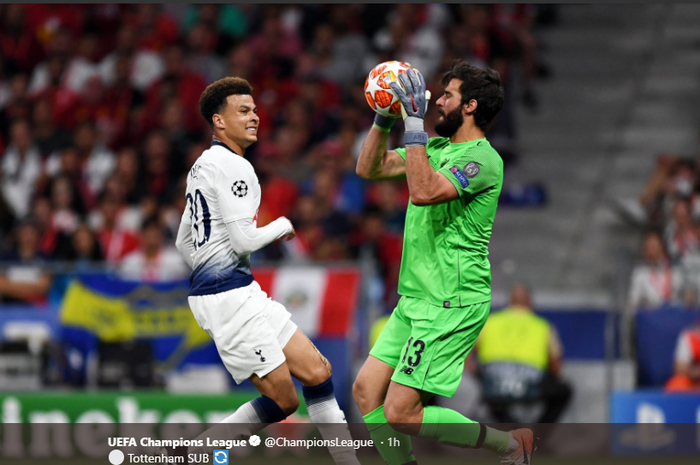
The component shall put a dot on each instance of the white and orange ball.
(379, 94)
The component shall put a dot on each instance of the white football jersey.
(221, 187)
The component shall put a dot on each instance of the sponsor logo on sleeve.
(472, 169)
(460, 176)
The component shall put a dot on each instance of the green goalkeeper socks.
(452, 428)
(395, 451)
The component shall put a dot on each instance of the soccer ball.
(379, 94)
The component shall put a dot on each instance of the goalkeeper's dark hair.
(213, 99)
(481, 84)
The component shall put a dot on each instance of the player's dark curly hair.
(481, 84)
(213, 98)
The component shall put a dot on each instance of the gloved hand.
(414, 104)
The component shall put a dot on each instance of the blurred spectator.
(25, 279)
(47, 136)
(155, 29)
(19, 47)
(17, 106)
(655, 282)
(228, 20)
(309, 233)
(65, 204)
(411, 35)
(519, 359)
(127, 171)
(374, 239)
(201, 56)
(514, 23)
(84, 252)
(180, 139)
(672, 178)
(21, 168)
(84, 65)
(96, 162)
(686, 363)
(121, 108)
(52, 240)
(391, 199)
(116, 241)
(154, 261)
(680, 233)
(340, 48)
(177, 81)
(156, 174)
(145, 65)
(128, 217)
(51, 73)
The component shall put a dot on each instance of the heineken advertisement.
(119, 407)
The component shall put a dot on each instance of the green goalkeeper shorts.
(427, 345)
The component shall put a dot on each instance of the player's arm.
(425, 185)
(375, 161)
(246, 238)
(184, 242)
(238, 210)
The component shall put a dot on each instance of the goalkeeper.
(445, 280)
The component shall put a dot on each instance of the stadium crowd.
(668, 277)
(99, 123)
(669, 274)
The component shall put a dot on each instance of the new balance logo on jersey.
(259, 354)
(407, 370)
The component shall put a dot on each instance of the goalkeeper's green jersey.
(445, 246)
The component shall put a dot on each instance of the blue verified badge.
(460, 176)
(220, 456)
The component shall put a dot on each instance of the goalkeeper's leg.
(369, 391)
(404, 410)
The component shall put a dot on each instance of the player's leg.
(249, 349)
(371, 384)
(440, 340)
(309, 366)
(370, 388)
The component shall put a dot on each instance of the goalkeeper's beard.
(450, 123)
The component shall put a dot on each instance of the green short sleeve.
(402, 152)
(473, 171)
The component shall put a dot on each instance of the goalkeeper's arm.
(375, 161)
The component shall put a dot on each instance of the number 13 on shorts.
(411, 356)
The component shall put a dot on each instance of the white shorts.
(249, 329)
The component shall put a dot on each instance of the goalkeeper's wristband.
(382, 123)
(414, 124)
(415, 138)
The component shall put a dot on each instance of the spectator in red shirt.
(121, 105)
(19, 46)
(155, 29)
(180, 82)
(116, 242)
